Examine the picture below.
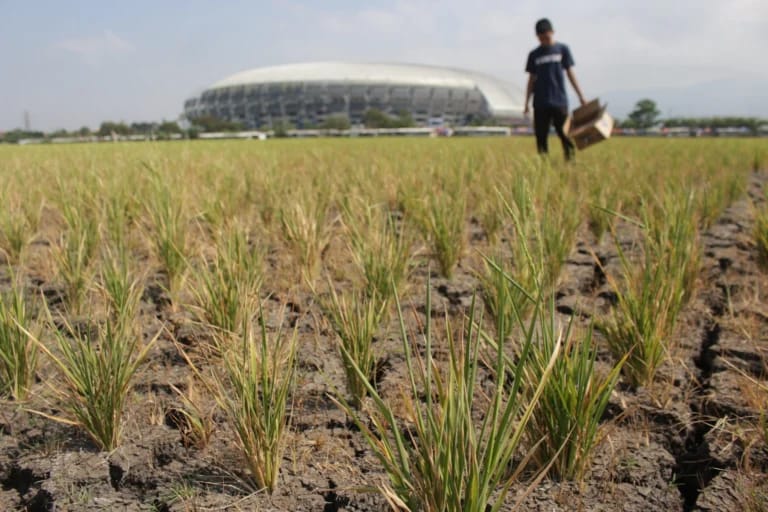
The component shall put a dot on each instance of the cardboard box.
(589, 124)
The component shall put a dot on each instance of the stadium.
(306, 95)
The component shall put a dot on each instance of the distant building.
(306, 95)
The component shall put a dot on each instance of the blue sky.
(80, 62)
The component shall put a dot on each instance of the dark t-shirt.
(548, 63)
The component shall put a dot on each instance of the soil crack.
(696, 464)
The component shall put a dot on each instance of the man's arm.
(575, 84)
(529, 92)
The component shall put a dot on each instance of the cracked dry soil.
(680, 446)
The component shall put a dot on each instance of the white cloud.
(617, 44)
(619, 47)
(93, 48)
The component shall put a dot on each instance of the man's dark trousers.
(543, 118)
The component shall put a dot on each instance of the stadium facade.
(306, 95)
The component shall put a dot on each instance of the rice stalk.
(381, 248)
(672, 241)
(195, 422)
(18, 351)
(760, 235)
(254, 392)
(16, 229)
(639, 326)
(356, 317)
(227, 288)
(443, 218)
(565, 427)
(168, 232)
(305, 228)
(439, 459)
(121, 287)
(98, 369)
(75, 254)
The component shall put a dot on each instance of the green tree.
(169, 127)
(751, 123)
(14, 136)
(280, 128)
(375, 118)
(143, 128)
(108, 127)
(214, 124)
(645, 115)
(336, 123)
(404, 120)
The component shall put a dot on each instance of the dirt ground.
(686, 444)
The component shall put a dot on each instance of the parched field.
(380, 324)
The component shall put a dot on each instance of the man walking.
(546, 84)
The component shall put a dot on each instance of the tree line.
(161, 130)
(647, 115)
(373, 118)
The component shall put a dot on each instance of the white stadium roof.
(503, 98)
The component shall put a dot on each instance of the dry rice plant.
(98, 370)
(254, 390)
(18, 351)
(441, 460)
(17, 227)
(75, 254)
(194, 420)
(381, 248)
(443, 218)
(761, 235)
(355, 318)
(168, 232)
(121, 287)
(565, 427)
(227, 288)
(306, 229)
